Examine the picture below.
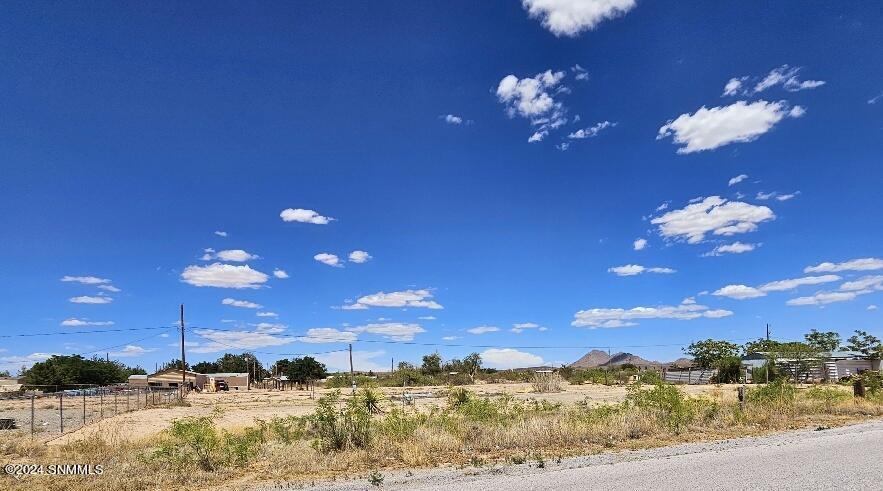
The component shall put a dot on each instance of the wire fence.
(49, 411)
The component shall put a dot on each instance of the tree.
(762, 345)
(305, 370)
(280, 367)
(823, 341)
(865, 343)
(174, 364)
(472, 364)
(432, 364)
(4, 373)
(709, 352)
(245, 362)
(205, 367)
(71, 370)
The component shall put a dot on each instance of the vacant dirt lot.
(240, 408)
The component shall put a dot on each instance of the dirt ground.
(240, 408)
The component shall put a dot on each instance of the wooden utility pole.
(183, 362)
(767, 332)
(352, 373)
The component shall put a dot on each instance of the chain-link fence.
(49, 411)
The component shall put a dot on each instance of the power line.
(92, 331)
(123, 344)
(267, 352)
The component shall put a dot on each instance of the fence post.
(32, 415)
(61, 412)
(84, 406)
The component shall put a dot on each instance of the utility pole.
(352, 373)
(183, 362)
(392, 364)
(767, 332)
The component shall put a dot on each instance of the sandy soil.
(240, 408)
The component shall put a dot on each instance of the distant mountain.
(598, 358)
(594, 358)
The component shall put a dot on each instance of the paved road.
(841, 458)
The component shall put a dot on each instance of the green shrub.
(776, 393)
(829, 396)
(340, 429)
(650, 377)
(457, 396)
(667, 402)
(873, 382)
(287, 429)
(191, 442)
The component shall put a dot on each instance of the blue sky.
(491, 164)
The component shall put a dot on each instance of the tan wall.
(241, 381)
(173, 379)
(137, 382)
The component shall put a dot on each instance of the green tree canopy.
(865, 343)
(173, 364)
(4, 373)
(205, 367)
(432, 364)
(69, 370)
(472, 364)
(823, 341)
(306, 369)
(708, 353)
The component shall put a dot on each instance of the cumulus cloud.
(740, 122)
(863, 283)
(872, 307)
(396, 331)
(713, 215)
(329, 259)
(532, 98)
(523, 326)
(280, 273)
(736, 180)
(244, 304)
(639, 244)
(230, 255)
(220, 233)
(591, 131)
(131, 350)
(327, 335)
(784, 76)
(572, 17)
(27, 360)
(739, 292)
(450, 338)
(452, 119)
(635, 269)
(363, 361)
(239, 339)
(267, 314)
(359, 257)
(579, 73)
(304, 216)
(506, 358)
(109, 288)
(223, 276)
(618, 317)
(407, 298)
(86, 280)
(74, 322)
(95, 300)
(823, 298)
(734, 248)
(427, 317)
(863, 264)
(483, 329)
(790, 284)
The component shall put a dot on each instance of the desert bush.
(340, 429)
(776, 393)
(458, 396)
(546, 382)
(191, 442)
(650, 377)
(666, 402)
(287, 429)
(873, 382)
(828, 396)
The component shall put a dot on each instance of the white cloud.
(304, 216)
(74, 322)
(267, 314)
(873, 100)
(86, 280)
(531, 98)
(483, 329)
(784, 76)
(223, 276)
(244, 340)
(245, 304)
(280, 273)
(617, 317)
(872, 307)
(359, 257)
(775, 194)
(26, 359)
(863, 264)
(563, 146)
(733, 86)
(109, 288)
(663, 206)
(327, 335)
(639, 244)
(635, 269)
(329, 259)
(734, 248)
(579, 73)
(131, 350)
(739, 292)
(396, 331)
(707, 129)
(823, 298)
(507, 358)
(790, 284)
(591, 131)
(572, 17)
(427, 317)
(406, 298)
(363, 361)
(786, 197)
(863, 283)
(450, 338)
(220, 233)
(736, 180)
(523, 326)
(231, 255)
(452, 119)
(713, 215)
(91, 300)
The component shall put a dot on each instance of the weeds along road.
(842, 458)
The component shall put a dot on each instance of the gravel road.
(850, 457)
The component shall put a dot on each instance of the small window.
(173, 384)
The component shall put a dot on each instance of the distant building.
(827, 367)
(172, 378)
(11, 384)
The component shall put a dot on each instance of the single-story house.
(172, 378)
(829, 366)
(11, 384)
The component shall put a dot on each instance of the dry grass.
(468, 430)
